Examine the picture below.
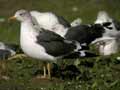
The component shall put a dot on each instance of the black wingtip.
(106, 24)
(80, 54)
(90, 54)
(84, 47)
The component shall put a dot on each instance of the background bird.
(107, 45)
(103, 17)
(76, 22)
(51, 21)
(8, 50)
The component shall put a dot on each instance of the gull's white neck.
(27, 31)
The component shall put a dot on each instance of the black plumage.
(117, 24)
(54, 44)
(63, 21)
(85, 33)
(78, 54)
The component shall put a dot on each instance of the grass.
(100, 73)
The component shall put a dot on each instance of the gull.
(82, 33)
(103, 17)
(51, 21)
(57, 24)
(42, 44)
(107, 45)
(7, 50)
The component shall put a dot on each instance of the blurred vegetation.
(100, 73)
(70, 9)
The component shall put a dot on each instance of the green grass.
(100, 73)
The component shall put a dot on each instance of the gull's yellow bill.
(12, 18)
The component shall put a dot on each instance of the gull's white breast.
(109, 48)
(29, 44)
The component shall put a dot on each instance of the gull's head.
(21, 15)
(103, 17)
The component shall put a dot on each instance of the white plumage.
(103, 17)
(107, 45)
(76, 22)
(28, 42)
(110, 48)
(49, 21)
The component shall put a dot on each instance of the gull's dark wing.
(54, 44)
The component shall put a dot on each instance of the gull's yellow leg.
(44, 71)
(49, 70)
(44, 76)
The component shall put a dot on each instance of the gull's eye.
(21, 14)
